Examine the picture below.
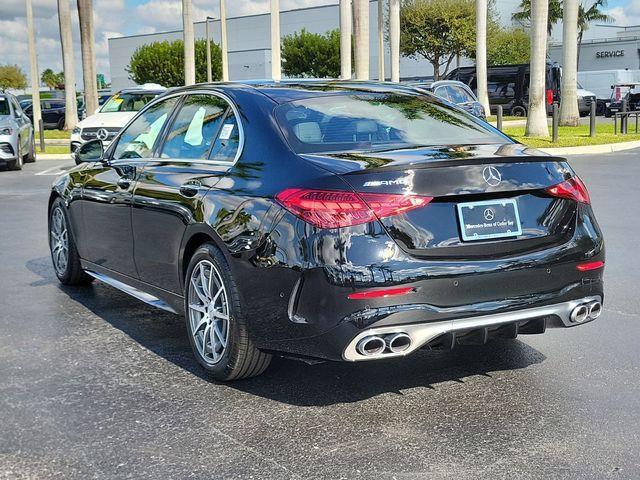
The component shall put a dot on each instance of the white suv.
(114, 114)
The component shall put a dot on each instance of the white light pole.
(206, 30)
(481, 53)
(381, 40)
(33, 64)
(223, 41)
(345, 39)
(276, 72)
(361, 30)
(189, 44)
(394, 37)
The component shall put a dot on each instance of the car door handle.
(124, 183)
(189, 189)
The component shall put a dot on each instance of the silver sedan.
(17, 142)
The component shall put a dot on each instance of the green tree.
(163, 63)
(508, 46)
(586, 16)
(12, 76)
(307, 54)
(438, 30)
(52, 79)
(523, 16)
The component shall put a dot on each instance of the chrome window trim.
(155, 158)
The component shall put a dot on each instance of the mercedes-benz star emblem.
(492, 176)
(488, 214)
(102, 134)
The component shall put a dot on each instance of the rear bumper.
(556, 315)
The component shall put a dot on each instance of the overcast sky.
(125, 17)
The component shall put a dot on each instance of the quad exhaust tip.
(398, 342)
(371, 345)
(586, 311)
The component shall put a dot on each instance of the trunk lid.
(509, 180)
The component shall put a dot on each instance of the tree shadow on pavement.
(290, 381)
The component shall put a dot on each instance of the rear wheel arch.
(194, 238)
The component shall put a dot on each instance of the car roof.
(296, 89)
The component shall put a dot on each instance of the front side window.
(127, 102)
(196, 127)
(366, 121)
(138, 139)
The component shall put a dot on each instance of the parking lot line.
(57, 170)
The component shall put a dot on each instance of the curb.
(53, 156)
(587, 149)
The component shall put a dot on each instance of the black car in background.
(53, 112)
(455, 92)
(508, 85)
(328, 220)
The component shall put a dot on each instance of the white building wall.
(248, 43)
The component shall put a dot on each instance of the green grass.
(505, 118)
(574, 136)
(54, 149)
(57, 134)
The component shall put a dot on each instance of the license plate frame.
(504, 210)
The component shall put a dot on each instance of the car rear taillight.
(549, 93)
(387, 292)
(588, 266)
(572, 189)
(335, 209)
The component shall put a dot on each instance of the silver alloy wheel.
(59, 239)
(208, 311)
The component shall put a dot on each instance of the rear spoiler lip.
(355, 163)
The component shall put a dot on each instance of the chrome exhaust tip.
(595, 309)
(398, 342)
(579, 314)
(372, 345)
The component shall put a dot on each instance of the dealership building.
(248, 43)
(249, 49)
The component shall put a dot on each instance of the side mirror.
(92, 151)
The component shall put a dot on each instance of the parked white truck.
(600, 83)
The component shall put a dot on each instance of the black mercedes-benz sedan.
(328, 220)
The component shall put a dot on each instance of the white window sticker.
(225, 133)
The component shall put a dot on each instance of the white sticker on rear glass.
(225, 133)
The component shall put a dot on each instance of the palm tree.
(189, 43)
(361, 31)
(33, 64)
(481, 54)
(345, 39)
(569, 114)
(87, 44)
(523, 16)
(71, 107)
(537, 118)
(394, 38)
(589, 15)
(276, 63)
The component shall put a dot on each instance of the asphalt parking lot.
(94, 384)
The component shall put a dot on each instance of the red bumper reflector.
(585, 267)
(389, 292)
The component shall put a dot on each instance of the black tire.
(61, 124)
(31, 154)
(519, 111)
(240, 358)
(19, 161)
(72, 273)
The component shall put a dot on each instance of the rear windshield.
(127, 102)
(378, 120)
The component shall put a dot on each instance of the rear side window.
(227, 141)
(366, 121)
(196, 127)
(458, 95)
(4, 106)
